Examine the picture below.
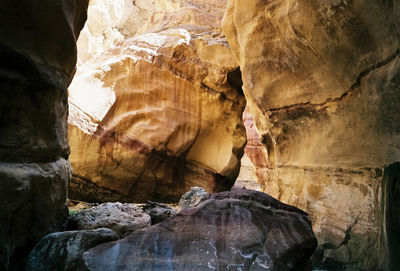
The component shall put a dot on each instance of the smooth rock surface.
(240, 230)
(122, 218)
(321, 79)
(192, 198)
(38, 56)
(63, 250)
(156, 115)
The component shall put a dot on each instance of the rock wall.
(111, 21)
(38, 55)
(158, 113)
(322, 82)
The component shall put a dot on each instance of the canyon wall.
(159, 112)
(38, 55)
(321, 79)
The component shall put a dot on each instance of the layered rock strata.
(322, 82)
(156, 115)
(38, 55)
(239, 230)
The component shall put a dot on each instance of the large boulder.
(122, 218)
(322, 82)
(156, 115)
(38, 56)
(63, 250)
(240, 230)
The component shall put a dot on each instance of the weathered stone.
(38, 55)
(111, 21)
(63, 250)
(255, 167)
(240, 230)
(321, 79)
(192, 198)
(31, 194)
(122, 218)
(156, 115)
(158, 211)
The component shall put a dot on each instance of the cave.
(199, 135)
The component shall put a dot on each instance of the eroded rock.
(122, 218)
(63, 250)
(38, 56)
(156, 115)
(244, 229)
(321, 81)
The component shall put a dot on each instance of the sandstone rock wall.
(111, 21)
(321, 81)
(38, 55)
(158, 114)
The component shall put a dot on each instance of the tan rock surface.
(38, 56)
(255, 166)
(321, 80)
(163, 115)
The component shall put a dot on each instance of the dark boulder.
(238, 230)
(63, 250)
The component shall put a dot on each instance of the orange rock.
(156, 115)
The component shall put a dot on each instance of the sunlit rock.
(321, 81)
(155, 116)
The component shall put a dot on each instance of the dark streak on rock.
(348, 93)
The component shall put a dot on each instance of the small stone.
(158, 211)
(192, 198)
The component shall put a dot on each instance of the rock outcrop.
(240, 230)
(38, 56)
(63, 250)
(121, 218)
(322, 82)
(158, 114)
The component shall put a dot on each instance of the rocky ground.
(238, 230)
